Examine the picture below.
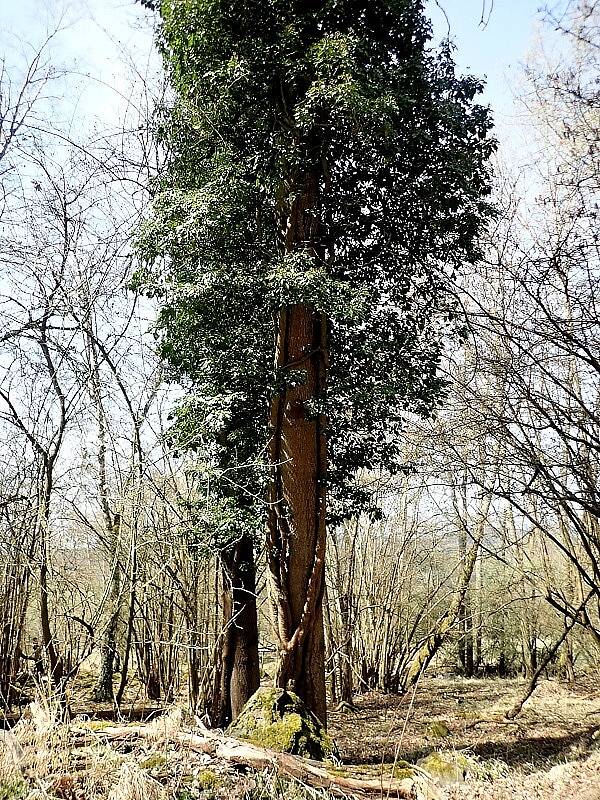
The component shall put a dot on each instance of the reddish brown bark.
(297, 495)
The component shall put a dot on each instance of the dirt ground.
(552, 750)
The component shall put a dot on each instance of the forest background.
(486, 552)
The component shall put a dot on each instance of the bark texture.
(103, 691)
(238, 673)
(297, 495)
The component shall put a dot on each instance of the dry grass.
(135, 784)
(579, 780)
(557, 724)
(551, 751)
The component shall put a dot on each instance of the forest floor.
(551, 751)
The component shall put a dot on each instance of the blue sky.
(94, 30)
(495, 51)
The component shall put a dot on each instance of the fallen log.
(491, 721)
(419, 786)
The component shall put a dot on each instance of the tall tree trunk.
(331, 654)
(238, 673)
(197, 618)
(13, 613)
(465, 642)
(436, 638)
(463, 611)
(55, 662)
(103, 691)
(298, 454)
(478, 615)
(220, 715)
(345, 650)
(469, 651)
(133, 564)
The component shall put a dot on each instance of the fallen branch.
(311, 773)
(490, 721)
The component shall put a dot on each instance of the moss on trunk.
(279, 720)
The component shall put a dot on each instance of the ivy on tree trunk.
(327, 175)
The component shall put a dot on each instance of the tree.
(535, 313)
(24, 94)
(327, 176)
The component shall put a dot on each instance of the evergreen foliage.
(264, 94)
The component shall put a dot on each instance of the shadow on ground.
(557, 725)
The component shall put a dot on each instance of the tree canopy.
(264, 94)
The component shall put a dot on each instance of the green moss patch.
(438, 730)
(279, 720)
(153, 761)
(452, 767)
(13, 790)
(446, 767)
(97, 724)
(209, 780)
(398, 771)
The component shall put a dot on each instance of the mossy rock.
(279, 720)
(438, 730)
(448, 767)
